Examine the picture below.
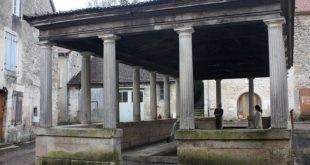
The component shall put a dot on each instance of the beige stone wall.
(74, 94)
(68, 67)
(26, 79)
(301, 56)
(232, 89)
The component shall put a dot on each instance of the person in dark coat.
(218, 113)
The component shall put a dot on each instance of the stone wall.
(232, 89)
(96, 94)
(68, 67)
(145, 132)
(301, 56)
(238, 147)
(26, 79)
(78, 145)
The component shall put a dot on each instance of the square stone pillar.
(117, 93)
(218, 92)
(136, 94)
(278, 74)
(109, 80)
(46, 62)
(85, 116)
(177, 100)
(153, 96)
(186, 78)
(167, 97)
(251, 103)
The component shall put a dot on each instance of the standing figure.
(258, 123)
(218, 113)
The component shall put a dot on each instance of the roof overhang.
(230, 37)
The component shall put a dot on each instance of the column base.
(235, 147)
(73, 145)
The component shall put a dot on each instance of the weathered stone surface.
(236, 134)
(78, 146)
(145, 132)
(238, 147)
(301, 57)
(79, 132)
(26, 79)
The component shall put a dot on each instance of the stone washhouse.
(184, 39)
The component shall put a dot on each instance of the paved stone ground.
(23, 155)
(301, 143)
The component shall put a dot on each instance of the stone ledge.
(80, 132)
(236, 134)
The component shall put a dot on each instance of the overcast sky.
(64, 5)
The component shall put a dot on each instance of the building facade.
(70, 114)
(302, 59)
(19, 69)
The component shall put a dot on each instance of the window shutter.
(19, 106)
(13, 55)
(10, 52)
(8, 48)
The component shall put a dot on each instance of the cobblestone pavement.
(23, 155)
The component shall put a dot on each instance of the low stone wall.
(145, 132)
(72, 145)
(234, 147)
(205, 123)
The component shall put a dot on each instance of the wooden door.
(1, 117)
(304, 97)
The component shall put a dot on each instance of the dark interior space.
(226, 51)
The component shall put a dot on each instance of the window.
(16, 8)
(123, 97)
(161, 91)
(10, 52)
(17, 106)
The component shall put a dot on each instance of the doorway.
(243, 105)
(126, 105)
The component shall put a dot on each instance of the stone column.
(46, 62)
(109, 80)
(153, 97)
(177, 98)
(186, 78)
(85, 89)
(117, 93)
(218, 92)
(136, 94)
(167, 97)
(278, 74)
(251, 103)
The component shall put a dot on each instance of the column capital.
(184, 30)
(275, 23)
(108, 37)
(136, 67)
(86, 53)
(218, 80)
(46, 44)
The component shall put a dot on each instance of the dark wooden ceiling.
(219, 52)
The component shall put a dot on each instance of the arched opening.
(243, 105)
